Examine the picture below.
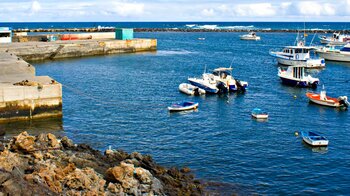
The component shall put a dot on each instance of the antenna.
(232, 62)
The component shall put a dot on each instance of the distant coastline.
(179, 30)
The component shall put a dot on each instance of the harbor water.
(121, 100)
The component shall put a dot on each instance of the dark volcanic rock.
(45, 165)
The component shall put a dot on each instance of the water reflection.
(34, 127)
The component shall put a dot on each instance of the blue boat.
(314, 139)
(182, 106)
(295, 76)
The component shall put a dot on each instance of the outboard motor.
(196, 91)
(240, 88)
(314, 85)
(222, 87)
(343, 102)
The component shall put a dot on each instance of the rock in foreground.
(44, 165)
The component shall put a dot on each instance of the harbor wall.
(25, 96)
(31, 51)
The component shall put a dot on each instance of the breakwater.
(345, 31)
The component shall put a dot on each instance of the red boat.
(323, 99)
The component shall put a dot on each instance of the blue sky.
(173, 10)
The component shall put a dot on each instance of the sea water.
(121, 100)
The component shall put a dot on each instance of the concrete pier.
(77, 48)
(24, 96)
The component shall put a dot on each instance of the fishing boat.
(333, 54)
(336, 39)
(314, 139)
(298, 55)
(259, 114)
(250, 36)
(190, 89)
(323, 99)
(224, 75)
(295, 76)
(182, 106)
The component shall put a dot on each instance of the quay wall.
(31, 51)
(25, 96)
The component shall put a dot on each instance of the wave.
(214, 27)
(173, 52)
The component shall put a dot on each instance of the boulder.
(66, 142)
(24, 143)
(143, 175)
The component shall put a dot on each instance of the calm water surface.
(121, 100)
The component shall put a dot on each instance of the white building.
(5, 35)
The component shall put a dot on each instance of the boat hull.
(304, 63)
(178, 109)
(334, 56)
(297, 83)
(330, 102)
(190, 89)
(250, 38)
(207, 88)
(314, 140)
(260, 116)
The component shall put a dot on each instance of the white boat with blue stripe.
(299, 55)
(295, 76)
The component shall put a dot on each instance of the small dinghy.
(259, 114)
(314, 139)
(190, 89)
(323, 99)
(186, 105)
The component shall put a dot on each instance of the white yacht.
(298, 55)
(333, 54)
(250, 36)
(336, 39)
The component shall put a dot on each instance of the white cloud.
(36, 7)
(254, 9)
(208, 12)
(311, 8)
(126, 9)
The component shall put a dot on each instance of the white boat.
(331, 53)
(190, 89)
(250, 36)
(336, 39)
(259, 114)
(314, 139)
(182, 106)
(295, 76)
(298, 56)
(224, 75)
(206, 83)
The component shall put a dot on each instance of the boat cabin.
(222, 72)
(296, 71)
(5, 35)
(297, 52)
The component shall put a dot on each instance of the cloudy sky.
(173, 10)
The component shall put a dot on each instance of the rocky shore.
(178, 30)
(46, 165)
